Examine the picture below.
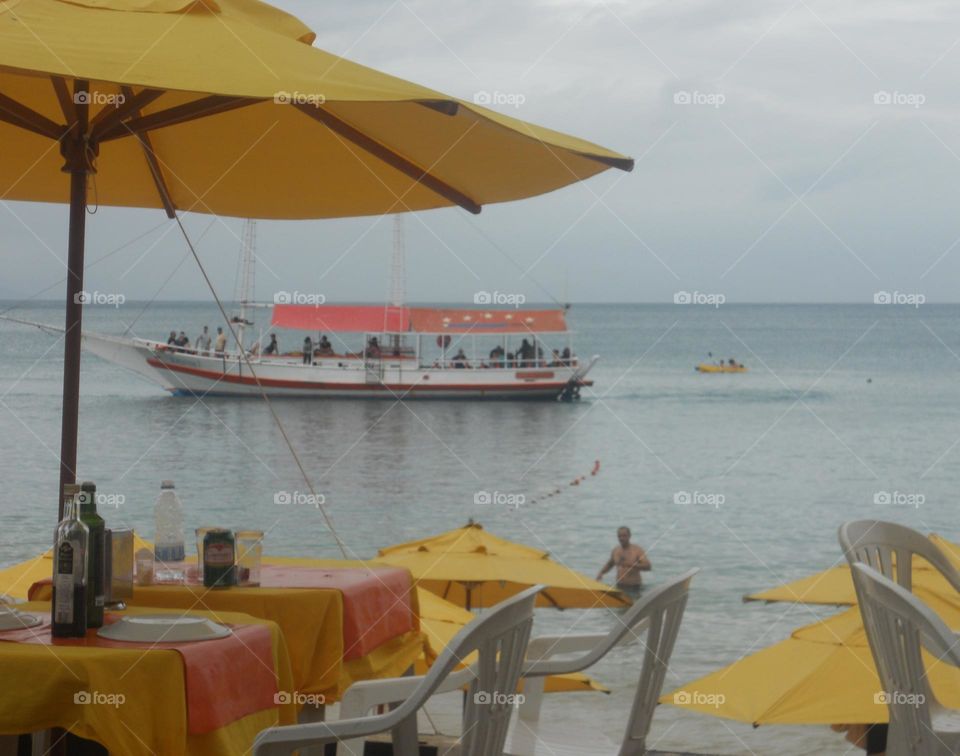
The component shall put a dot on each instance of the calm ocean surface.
(841, 403)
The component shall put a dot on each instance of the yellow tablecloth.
(40, 683)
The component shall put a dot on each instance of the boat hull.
(183, 373)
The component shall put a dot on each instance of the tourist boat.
(404, 353)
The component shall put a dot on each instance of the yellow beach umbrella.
(441, 620)
(822, 674)
(474, 568)
(223, 106)
(835, 586)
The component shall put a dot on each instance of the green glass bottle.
(96, 555)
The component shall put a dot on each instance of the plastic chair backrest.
(898, 625)
(664, 608)
(500, 636)
(889, 548)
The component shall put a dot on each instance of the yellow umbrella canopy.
(822, 674)
(834, 586)
(441, 620)
(223, 106)
(244, 120)
(474, 568)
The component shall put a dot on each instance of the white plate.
(11, 619)
(163, 628)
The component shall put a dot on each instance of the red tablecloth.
(377, 601)
(226, 679)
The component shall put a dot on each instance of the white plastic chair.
(898, 625)
(660, 611)
(500, 637)
(889, 548)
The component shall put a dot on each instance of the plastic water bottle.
(168, 536)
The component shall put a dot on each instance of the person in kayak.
(629, 559)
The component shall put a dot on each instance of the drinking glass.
(249, 554)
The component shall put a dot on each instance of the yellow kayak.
(705, 368)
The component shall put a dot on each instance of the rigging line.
(517, 265)
(166, 280)
(27, 300)
(246, 358)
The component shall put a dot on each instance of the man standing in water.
(630, 560)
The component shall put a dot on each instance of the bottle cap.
(88, 485)
(166, 484)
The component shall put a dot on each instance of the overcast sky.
(786, 151)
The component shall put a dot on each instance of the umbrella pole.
(78, 154)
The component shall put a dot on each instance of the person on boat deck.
(172, 339)
(203, 340)
(460, 359)
(323, 347)
(496, 356)
(307, 351)
(629, 559)
(555, 361)
(526, 352)
(221, 342)
(182, 341)
(566, 358)
(511, 359)
(373, 347)
(273, 347)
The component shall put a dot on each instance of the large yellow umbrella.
(822, 674)
(222, 106)
(474, 568)
(834, 586)
(441, 620)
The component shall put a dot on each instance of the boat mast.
(398, 273)
(248, 271)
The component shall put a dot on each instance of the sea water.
(847, 411)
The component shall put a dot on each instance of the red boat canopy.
(433, 320)
(342, 318)
(381, 319)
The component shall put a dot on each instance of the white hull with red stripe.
(183, 372)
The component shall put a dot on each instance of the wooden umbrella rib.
(152, 163)
(20, 115)
(67, 105)
(189, 111)
(390, 157)
(110, 116)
